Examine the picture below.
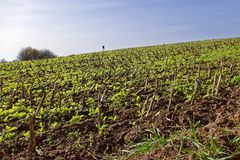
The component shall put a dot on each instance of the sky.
(78, 26)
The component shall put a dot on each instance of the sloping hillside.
(160, 102)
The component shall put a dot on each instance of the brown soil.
(213, 113)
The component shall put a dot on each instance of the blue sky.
(77, 26)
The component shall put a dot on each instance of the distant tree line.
(30, 53)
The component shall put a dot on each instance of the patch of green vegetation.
(89, 99)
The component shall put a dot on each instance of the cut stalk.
(188, 77)
(150, 106)
(231, 68)
(209, 72)
(198, 72)
(144, 106)
(214, 83)
(170, 98)
(218, 84)
(40, 104)
(32, 142)
(53, 94)
(196, 88)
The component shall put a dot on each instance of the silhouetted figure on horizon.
(103, 48)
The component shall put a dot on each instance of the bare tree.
(30, 53)
(3, 60)
(46, 53)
